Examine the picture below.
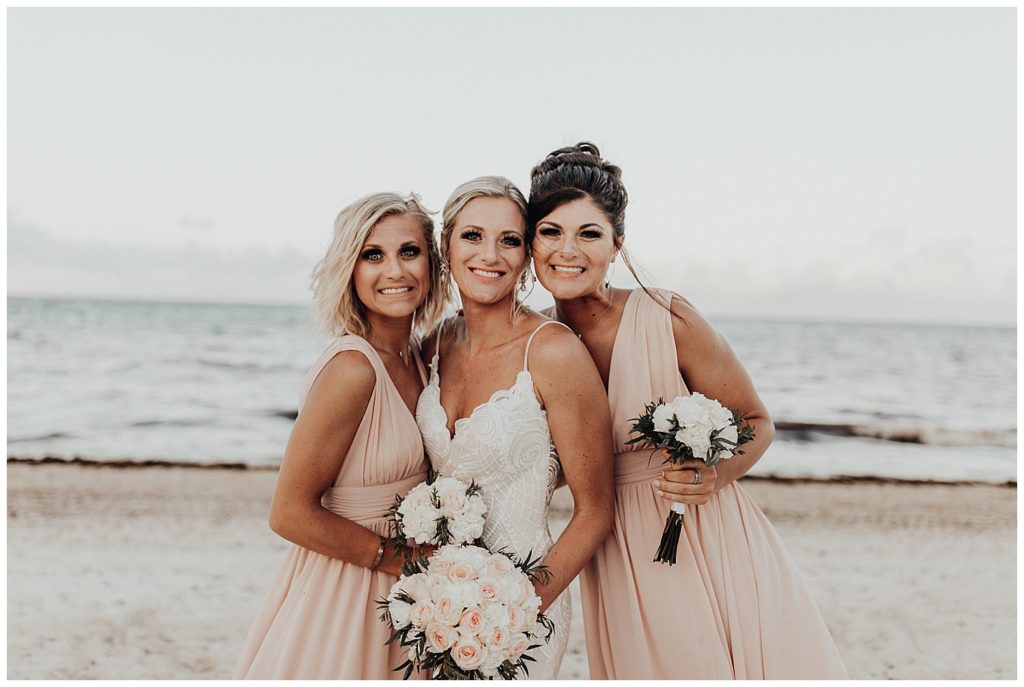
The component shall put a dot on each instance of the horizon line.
(710, 316)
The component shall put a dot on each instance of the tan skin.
(394, 257)
(482, 352)
(572, 251)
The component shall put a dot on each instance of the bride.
(507, 383)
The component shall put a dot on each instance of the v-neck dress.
(319, 621)
(505, 447)
(733, 606)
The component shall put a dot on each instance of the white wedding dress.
(505, 447)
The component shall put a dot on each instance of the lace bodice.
(505, 447)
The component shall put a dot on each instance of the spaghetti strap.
(526, 354)
(419, 364)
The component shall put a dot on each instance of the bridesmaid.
(733, 606)
(355, 445)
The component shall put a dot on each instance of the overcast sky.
(796, 163)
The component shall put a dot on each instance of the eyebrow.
(582, 226)
(503, 231)
(367, 246)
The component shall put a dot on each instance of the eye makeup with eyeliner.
(408, 250)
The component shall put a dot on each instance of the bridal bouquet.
(467, 614)
(688, 427)
(440, 511)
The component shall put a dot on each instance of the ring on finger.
(696, 477)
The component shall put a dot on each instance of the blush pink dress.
(733, 606)
(319, 620)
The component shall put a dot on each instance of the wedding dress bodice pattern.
(504, 446)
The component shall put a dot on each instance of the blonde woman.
(506, 383)
(354, 446)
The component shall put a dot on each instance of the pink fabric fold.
(733, 606)
(319, 621)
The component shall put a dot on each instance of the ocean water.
(198, 383)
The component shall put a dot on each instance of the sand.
(157, 572)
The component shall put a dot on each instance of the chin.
(395, 311)
(484, 297)
(566, 292)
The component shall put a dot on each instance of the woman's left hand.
(681, 483)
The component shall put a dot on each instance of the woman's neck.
(584, 312)
(488, 325)
(389, 333)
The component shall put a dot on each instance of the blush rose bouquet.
(467, 614)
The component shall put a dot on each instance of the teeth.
(489, 275)
(568, 270)
(396, 290)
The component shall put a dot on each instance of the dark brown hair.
(579, 171)
(575, 172)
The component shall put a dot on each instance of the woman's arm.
(709, 365)
(580, 420)
(316, 450)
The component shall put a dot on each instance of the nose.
(393, 267)
(490, 251)
(567, 245)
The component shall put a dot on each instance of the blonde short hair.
(338, 310)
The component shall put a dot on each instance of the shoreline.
(127, 464)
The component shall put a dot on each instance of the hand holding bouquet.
(467, 614)
(688, 427)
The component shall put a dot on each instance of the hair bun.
(583, 154)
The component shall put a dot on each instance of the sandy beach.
(156, 573)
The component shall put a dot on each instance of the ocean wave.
(132, 463)
(246, 367)
(197, 422)
(40, 437)
(807, 431)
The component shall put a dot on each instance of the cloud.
(40, 264)
(885, 277)
(199, 225)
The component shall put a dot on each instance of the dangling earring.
(608, 276)
(446, 275)
(527, 276)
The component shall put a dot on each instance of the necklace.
(611, 302)
(400, 353)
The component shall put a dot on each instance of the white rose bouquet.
(467, 614)
(439, 512)
(689, 427)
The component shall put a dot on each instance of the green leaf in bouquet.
(547, 624)
(442, 535)
(415, 563)
(531, 566)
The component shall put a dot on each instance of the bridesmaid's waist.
(365, 504)
(637, 466)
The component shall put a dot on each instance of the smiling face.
(572, 249)
(392, 272)
(487, 249)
